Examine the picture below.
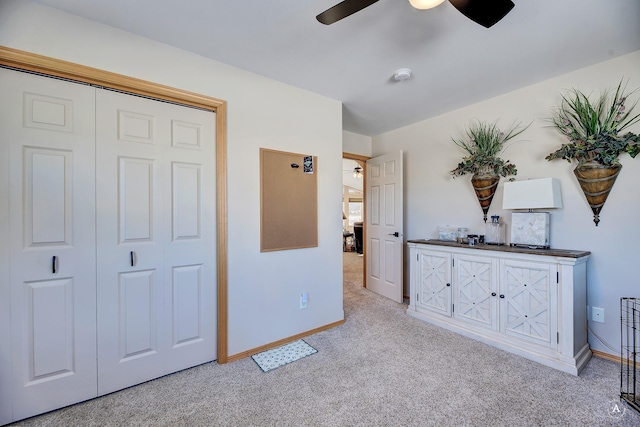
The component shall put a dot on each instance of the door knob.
(396, 234)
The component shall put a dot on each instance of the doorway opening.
(354, 219)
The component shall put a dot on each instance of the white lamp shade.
(425, 4)
(541, 193)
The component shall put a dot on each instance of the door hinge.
(417, 297)
(417, 257)
(557, 337)
(453, 308)
(557, 277)
(453, 262)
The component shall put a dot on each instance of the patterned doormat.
(276, 357)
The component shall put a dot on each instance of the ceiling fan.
(484, 12)
(357, 172)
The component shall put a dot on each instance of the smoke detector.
(402, 74)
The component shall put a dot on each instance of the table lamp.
(531, 229)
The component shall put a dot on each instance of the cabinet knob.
(501, 296)
(448, 284)
(493, 294)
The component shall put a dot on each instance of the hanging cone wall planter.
(485, 187)
(596, 182)
(594, 130)
(483, 143)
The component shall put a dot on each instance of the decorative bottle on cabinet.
(494, 234)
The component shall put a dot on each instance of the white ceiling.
(455, 61)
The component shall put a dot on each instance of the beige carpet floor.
(381, 368)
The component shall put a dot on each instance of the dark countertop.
(504, 248)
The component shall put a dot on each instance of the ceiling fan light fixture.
(425, 4)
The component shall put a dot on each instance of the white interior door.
(47, 134)
(156, 239)
(384, 246)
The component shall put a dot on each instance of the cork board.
(288, 201)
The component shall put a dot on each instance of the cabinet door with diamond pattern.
(434, 290)
(475, 284)
(529, 301)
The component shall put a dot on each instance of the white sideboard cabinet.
(530, 302)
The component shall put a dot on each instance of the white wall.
(354, 143)
(264, 288)
(433, 198)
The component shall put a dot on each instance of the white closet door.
(156, 241)
(129, 251)
(190, 257)
(47, 138)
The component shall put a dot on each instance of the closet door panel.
(186, 201)
(137, 323)
(130, 278)
(190, 252)
(6, 384)
(186, 289)
(47, 133)
(48, 195)
(136, 182)
(48, 321)
(156, 212)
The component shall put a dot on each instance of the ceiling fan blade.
(484, 12)
(342, 10)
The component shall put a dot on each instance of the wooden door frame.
(362, 161)
(26, 61)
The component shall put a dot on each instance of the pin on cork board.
(288, 200)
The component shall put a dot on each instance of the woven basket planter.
(485, 187)
(596, 182)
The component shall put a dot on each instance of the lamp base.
(513, 245)
(530, 229)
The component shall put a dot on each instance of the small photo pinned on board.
(308, 164)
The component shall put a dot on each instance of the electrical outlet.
(597, 314)
(303, 300)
